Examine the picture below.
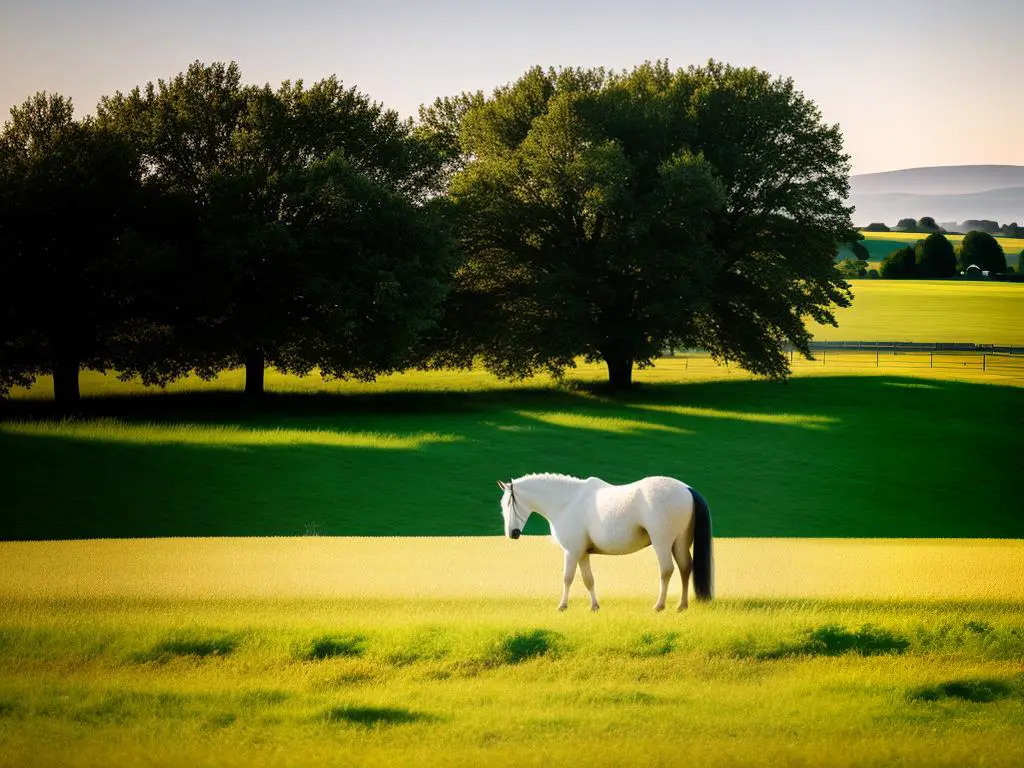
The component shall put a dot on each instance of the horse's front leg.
(569, 573)
(588, 581)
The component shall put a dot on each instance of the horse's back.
(655, 502)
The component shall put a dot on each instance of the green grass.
(870, 456)
(510, 682)
(930, 311)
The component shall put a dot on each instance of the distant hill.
(946, 193)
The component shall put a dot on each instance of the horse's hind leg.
(588, 581)
(681, 552)
(664, 554)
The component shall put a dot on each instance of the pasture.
(313, 650)
(318, 579)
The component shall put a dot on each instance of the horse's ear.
(502, 485)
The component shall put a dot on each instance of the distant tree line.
(935, 257)
(927, 225)
(199, 224)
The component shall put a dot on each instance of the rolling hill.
(946, 193)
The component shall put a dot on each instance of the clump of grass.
(373, 716)
(655, 644)
(332, 646)
(518, 647)
(179, 646)
(830, 640)
(979, 691)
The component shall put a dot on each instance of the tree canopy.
(934, 257)
(69, 191)
(983, 250)
(305, 239)
(614, 214)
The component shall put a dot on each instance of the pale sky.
(911, 83)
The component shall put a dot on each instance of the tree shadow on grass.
(853, 474)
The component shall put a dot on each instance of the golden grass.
(930, 311)
(112, 430)
(493, 567)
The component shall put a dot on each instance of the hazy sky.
(911, 83)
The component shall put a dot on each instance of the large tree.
(254, 276)
(69, 191)
(934, 257)
(610, 215)
(983, 250)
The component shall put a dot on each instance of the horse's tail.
(703, 549)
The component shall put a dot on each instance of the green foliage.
(307, 242)
(900, 264)
(69, 196)
(934, 257)
(610, 215)
(981, 249)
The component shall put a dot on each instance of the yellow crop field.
(316, 567)
(1011, 245)
(930, 311)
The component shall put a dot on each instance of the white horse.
(594, 517)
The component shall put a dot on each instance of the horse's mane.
(551, 476)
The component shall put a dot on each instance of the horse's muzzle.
(515, 533)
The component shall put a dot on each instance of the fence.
(1005, 360)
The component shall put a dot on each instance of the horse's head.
(512, 511)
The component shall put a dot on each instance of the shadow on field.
(374, 716)
(827, 640)
(854, 456)
(979, 691)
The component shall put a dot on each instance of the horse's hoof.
(682, 608)
(659, 608)
(562, 607)
(595, 607)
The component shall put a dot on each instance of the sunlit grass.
(321, 567)
(217, 435)
(311, 651)
(598, 423)
(930, 311)
(806, 421)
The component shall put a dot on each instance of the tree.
(934, 257)
(68, 192)
(255, 283)
(1020, 263)
(927, 223)
(906, 225)
(982, 249)
(610, 215)
(876, 226)
(899, 264)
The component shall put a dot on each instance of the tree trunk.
(620, 371)
(255, 363)
(65, 382)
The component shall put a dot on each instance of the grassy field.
(281, 637)
(850, 456)
(267, 652)
(930, 310)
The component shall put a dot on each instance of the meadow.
(187, 578)
(311, 650)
